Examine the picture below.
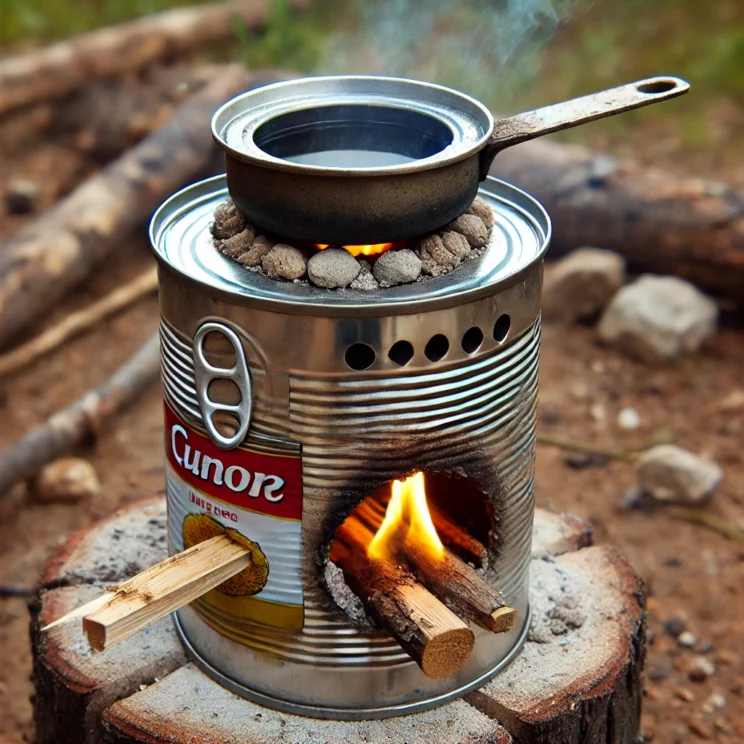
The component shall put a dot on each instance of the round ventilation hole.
(501, 328)
(360, 356)
(472, 339)
(437, 347)
(401, 352)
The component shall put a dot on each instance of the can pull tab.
(205, 373)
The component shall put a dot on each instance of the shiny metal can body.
(312, 431)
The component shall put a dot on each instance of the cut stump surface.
(578, 678)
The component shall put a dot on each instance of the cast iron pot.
(356, 160)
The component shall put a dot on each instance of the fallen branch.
(661, 222)
(592, 449)
(55, 70)
(432, 635)
(85, 417)
(48, 257)
(706, 519)
(78, 322)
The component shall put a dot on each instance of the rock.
(700, 729)
(581, 460)
(472, 227)
(284, 262)
(628, 419)
(671, 474)
(21, 196)
(457, 244)
(436, 260)
(687, 639)
(580, 285)
(675, 626)
(228, 221)
(237, 245)
(658, 319)
(333, 268)
(397, 267)
(260, 247)
(365, 279)
(482, 209)
(67, 480)
(701, 669)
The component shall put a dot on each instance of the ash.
(421, 258)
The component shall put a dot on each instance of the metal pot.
(357, 160)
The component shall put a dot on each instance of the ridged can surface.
(339, 433)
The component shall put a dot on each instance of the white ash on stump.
(582, 685)
(417, 259)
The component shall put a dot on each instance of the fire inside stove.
(415, 559)
(374, 249)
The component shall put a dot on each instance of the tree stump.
(578, 678)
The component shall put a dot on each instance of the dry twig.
(78, 322)
(712, 522)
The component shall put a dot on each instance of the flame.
(361, 250)
(407, 518)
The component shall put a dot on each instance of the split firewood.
(432, 635)
(662, 222)
(48, 257)
(159, 590)
(77, 322)
(452, 535)
(449, 578)
(55, 70)
(69, 427)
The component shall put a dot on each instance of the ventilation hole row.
(362, 356)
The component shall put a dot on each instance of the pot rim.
(236, 121)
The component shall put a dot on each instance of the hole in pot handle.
(559, 116)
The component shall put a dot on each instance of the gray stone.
(658, 319)
(365, 279)
(333, 268)
(671, 474)
(21, 196)
(397, 267)
(580, 285)
(472, 227)
(284, 262)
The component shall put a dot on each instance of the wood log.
(448, 578)
(662, 222)
(432, 635)
(164, 700)
(55, 70)
(85, 417)
(48, 257)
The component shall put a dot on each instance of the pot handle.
(532, 124)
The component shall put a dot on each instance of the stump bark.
(581, 685)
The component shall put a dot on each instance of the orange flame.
(361, 250)
(407, 518)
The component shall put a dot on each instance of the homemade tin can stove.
(287, 404)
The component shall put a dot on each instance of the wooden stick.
(164, 588)
(451, 580)
(79, 321)
(52, 254)
(83, 418)
(662, 222)
(711, 521)
(435, 638)
(56, 70)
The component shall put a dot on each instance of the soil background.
(691, 572)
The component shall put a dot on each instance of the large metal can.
(285, 403)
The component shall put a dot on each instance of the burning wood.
(438, 640)
(387, 551)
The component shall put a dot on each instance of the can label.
(254, 497)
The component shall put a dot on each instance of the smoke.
(483, 47)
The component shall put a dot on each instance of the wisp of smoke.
(479, 46)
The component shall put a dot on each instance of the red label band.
(268, 484)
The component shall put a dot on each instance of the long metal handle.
(532, 124)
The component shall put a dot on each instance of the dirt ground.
(693, 574)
